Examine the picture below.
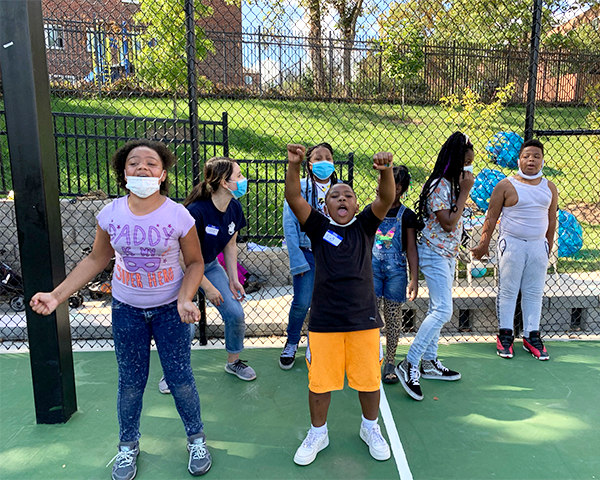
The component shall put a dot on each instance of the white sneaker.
(312, 444)
(378, 446)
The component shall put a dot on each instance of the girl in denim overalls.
(394, 242)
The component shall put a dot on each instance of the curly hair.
(216, 169)
(449, 165)
(119, 159)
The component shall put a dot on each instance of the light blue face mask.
(323, 170)
(242, 188)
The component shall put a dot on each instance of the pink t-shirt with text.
(147, 272)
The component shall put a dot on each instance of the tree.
(162, 60)
(348, 12)
(490, 22)
(402, 47)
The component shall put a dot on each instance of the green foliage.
(474, 117)
(162, 63)
(488, 22)
(402, 47)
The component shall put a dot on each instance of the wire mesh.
(243, 79)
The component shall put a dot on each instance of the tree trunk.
(315, 46)
(348, 16)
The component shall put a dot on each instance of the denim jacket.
(294, 238)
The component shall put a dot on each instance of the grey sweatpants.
(522, 266)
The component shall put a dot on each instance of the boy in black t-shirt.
(344, 325)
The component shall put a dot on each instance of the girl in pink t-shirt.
(152, 298)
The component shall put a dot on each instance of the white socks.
(319, 430)
(368, 424)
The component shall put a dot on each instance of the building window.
(248, 79)
(89, 42)
(54, 35)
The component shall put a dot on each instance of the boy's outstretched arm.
(293, 195)
(491, 218)
(382, 161)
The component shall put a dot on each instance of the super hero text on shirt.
(141, 260)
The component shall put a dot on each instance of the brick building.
(97, 39)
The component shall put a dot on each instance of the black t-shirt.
(343, 293)
(409, 220)
(215, 228)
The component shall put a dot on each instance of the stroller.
(11, 284)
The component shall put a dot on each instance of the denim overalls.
(389, 261)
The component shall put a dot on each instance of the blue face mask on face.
(242, 188)
(323, 170)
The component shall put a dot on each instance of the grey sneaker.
(288, 356)
(434, 370)
(163, 387)
(241, 370)
(200, 459)
(125, 467)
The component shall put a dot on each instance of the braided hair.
(449, 165)
(313, 198)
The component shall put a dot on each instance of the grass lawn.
(260, 129)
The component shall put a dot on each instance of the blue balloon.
(478, 272)
(485, 181)
(504, 148)
(570, 234)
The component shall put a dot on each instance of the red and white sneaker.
(504, 343)
(534, 345)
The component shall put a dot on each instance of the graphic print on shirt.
(384, 240)
(127, 240)
(231, 228)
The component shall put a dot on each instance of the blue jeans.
(133, 328)
(303, 290)
(439, 274)
(230, 309)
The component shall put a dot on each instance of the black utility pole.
(35, 183)
(534, 51)
(190, 27)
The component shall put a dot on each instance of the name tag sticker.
(333, 238)
(212, 230)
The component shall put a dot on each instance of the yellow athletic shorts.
(357, 354)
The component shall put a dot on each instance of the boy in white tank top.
(528, 204)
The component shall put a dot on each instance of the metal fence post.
(260, 79)
(35, 183)
(534, 51)
(190, 26)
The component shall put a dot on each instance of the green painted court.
(505, 419)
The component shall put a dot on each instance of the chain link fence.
(244, 79)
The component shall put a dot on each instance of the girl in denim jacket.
(321, 175)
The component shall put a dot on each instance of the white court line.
(395, 443)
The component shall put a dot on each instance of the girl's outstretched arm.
(293, 194)
(382, 161)
(45, 303)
